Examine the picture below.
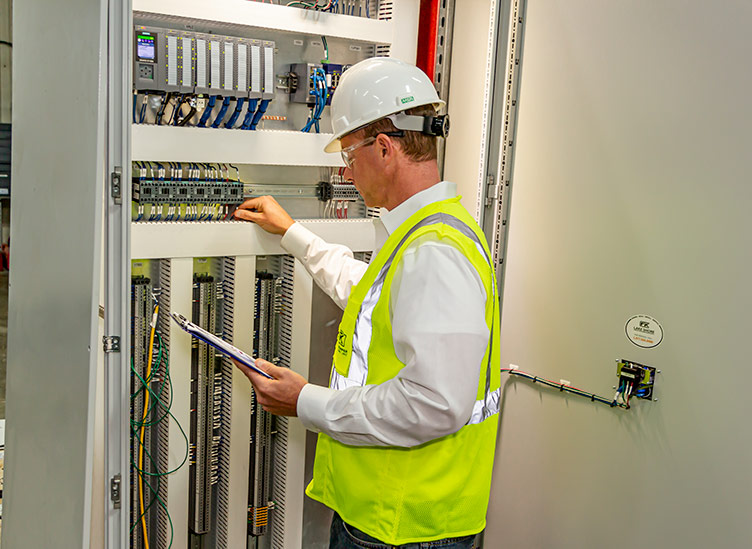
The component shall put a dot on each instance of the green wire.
(156, 498)
(326, 50)
(136, 425)
(168, 413)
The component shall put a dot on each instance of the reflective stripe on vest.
(358, 372)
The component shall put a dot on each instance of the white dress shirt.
(437, 309)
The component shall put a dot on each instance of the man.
(408, 424)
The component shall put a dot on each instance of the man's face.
(366, 171)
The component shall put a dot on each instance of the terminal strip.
(150, 191)
(266, 345)
(204, 432)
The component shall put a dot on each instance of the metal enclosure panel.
(405, 14)
(296, 435)
(326, 316)
(245, 274)
(631, 195)
(55, 279)
(469, 90)
(181, 297)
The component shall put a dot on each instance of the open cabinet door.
(58, 175)
(630, 199)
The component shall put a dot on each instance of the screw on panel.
(115, 490)
(116, 189)
(111, 344)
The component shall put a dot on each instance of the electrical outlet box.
(642, 377)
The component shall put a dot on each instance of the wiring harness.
(320, 92)
(346, 7)
(565, 387)
(156, 389)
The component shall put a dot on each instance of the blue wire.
(259, 113)
(246, 125)
(238, 109)
(320, 92)
(207, 111)
(222, 112)
(142, 112)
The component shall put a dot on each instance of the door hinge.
(111, 344)
(492, 190)
(116, 185)
(115, 483)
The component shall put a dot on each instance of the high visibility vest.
(439, 489)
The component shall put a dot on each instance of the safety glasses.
(347, 152)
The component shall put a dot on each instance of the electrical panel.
(635, 379)
(175, 67)
(197, 85)
(302, 77)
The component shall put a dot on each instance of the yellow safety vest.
(439, 489)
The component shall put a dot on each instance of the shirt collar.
(435, 193)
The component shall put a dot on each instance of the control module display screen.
(145, 47)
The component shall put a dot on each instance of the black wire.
(188, 116)
(567, 389)
(162, 108)
(6, 43)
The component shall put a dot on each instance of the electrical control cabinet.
(209, 467)
(199, 117)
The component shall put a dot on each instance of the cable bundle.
(158, 410)
(320, 92)
(566, 388)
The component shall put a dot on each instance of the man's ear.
(386, 146)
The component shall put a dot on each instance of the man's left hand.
(279, 395)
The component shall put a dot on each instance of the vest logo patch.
(342, 342)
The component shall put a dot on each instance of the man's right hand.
(266, 213)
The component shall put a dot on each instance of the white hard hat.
(376, 88)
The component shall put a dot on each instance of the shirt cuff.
(311, 407)
(296, 240)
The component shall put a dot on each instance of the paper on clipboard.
(221, 345)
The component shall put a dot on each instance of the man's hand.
(266, 213)
(279, 395)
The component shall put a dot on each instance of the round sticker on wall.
(644, 331)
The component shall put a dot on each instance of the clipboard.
(219, 344)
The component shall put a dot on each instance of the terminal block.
(638, 377)
(337, 192)
(150, 191)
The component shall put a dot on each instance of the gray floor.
(3, 337)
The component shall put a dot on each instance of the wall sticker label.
(644, 331)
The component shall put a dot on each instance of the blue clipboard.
(219, 344)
